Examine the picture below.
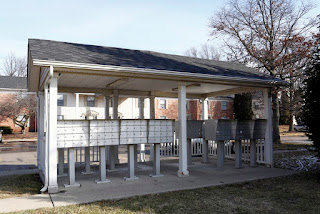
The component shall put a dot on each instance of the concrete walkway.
(201, 175)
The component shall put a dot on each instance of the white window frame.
(224, 105)
(160, 106)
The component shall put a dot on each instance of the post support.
(189, 148)
(183, 155)
(268, 144)
(253, 153)
(238, 153)
(205, 151)
(220, 154)
(61, 163)
(152, 116)
(72, 170)
(102, 166)
(52, 131)
(87, 161)
(156, 161)
(107, 116)
(142, 157)
(131, 163)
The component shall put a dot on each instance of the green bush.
(243, 106)
(6, 129)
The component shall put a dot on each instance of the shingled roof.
(100, 55)
(13, 82)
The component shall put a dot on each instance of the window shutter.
(166, 103)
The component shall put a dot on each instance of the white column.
(183, 156)
(205, 112)
(114, 149)
(107, 116)
(102, 166)
(205, 147)
(156, 161)
(72, 169)
(77, 106)
(142, 157)
(40, 129)
(53, 174)
(268, 145)
(152, 116)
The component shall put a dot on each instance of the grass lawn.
(19, 185)
(290, 146)
(293, 194)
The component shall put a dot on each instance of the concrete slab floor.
(201, 175)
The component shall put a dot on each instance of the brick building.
(219, 108)
(9, 88)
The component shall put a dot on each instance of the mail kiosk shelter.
(77, 68)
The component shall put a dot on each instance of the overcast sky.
(163, 25)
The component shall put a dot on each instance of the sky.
(163, 25)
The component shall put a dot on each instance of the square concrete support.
(205, 151)
(102, 166)
(112, 164)
(131, 164)
(189, 148)
(253, 153)
(152, 116)
(220, 154)
(135, 156)
(52, 132)
(238, 153)
(61, 163)
(156, 161)
(87, 161)
(183, 154)
(72, 169)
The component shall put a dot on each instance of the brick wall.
(194, 109)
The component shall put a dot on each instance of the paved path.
(201, 175)
(296, 140)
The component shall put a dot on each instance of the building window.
(225, 118)
(188, 104)
(256, 105)
(91, 101)
(60, 100)
(223, 105)
(162, 104)
(162, 117)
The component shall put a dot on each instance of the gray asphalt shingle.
(13, 82)
(92, 54)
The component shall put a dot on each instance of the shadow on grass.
(19, 185)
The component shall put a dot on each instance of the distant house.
(9, 87)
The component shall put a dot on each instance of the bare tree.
(15, 66)
(18, 107)
(193, 52)
(261, 32)
(205, 51)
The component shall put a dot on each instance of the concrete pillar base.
(131, 178)
(72, 185)
(53, 189)
(183, 173)
(87, 173)
(103, 182)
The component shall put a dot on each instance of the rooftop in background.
(13, 82)
(99, 55)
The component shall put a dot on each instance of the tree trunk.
(275, 117)
(291, 105)
(291, 122)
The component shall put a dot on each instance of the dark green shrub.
(243, 106)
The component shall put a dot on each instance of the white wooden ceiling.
(94, 81)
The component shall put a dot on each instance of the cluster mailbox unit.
(87, 133)
(238, 130)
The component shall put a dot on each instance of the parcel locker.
(244, 129)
